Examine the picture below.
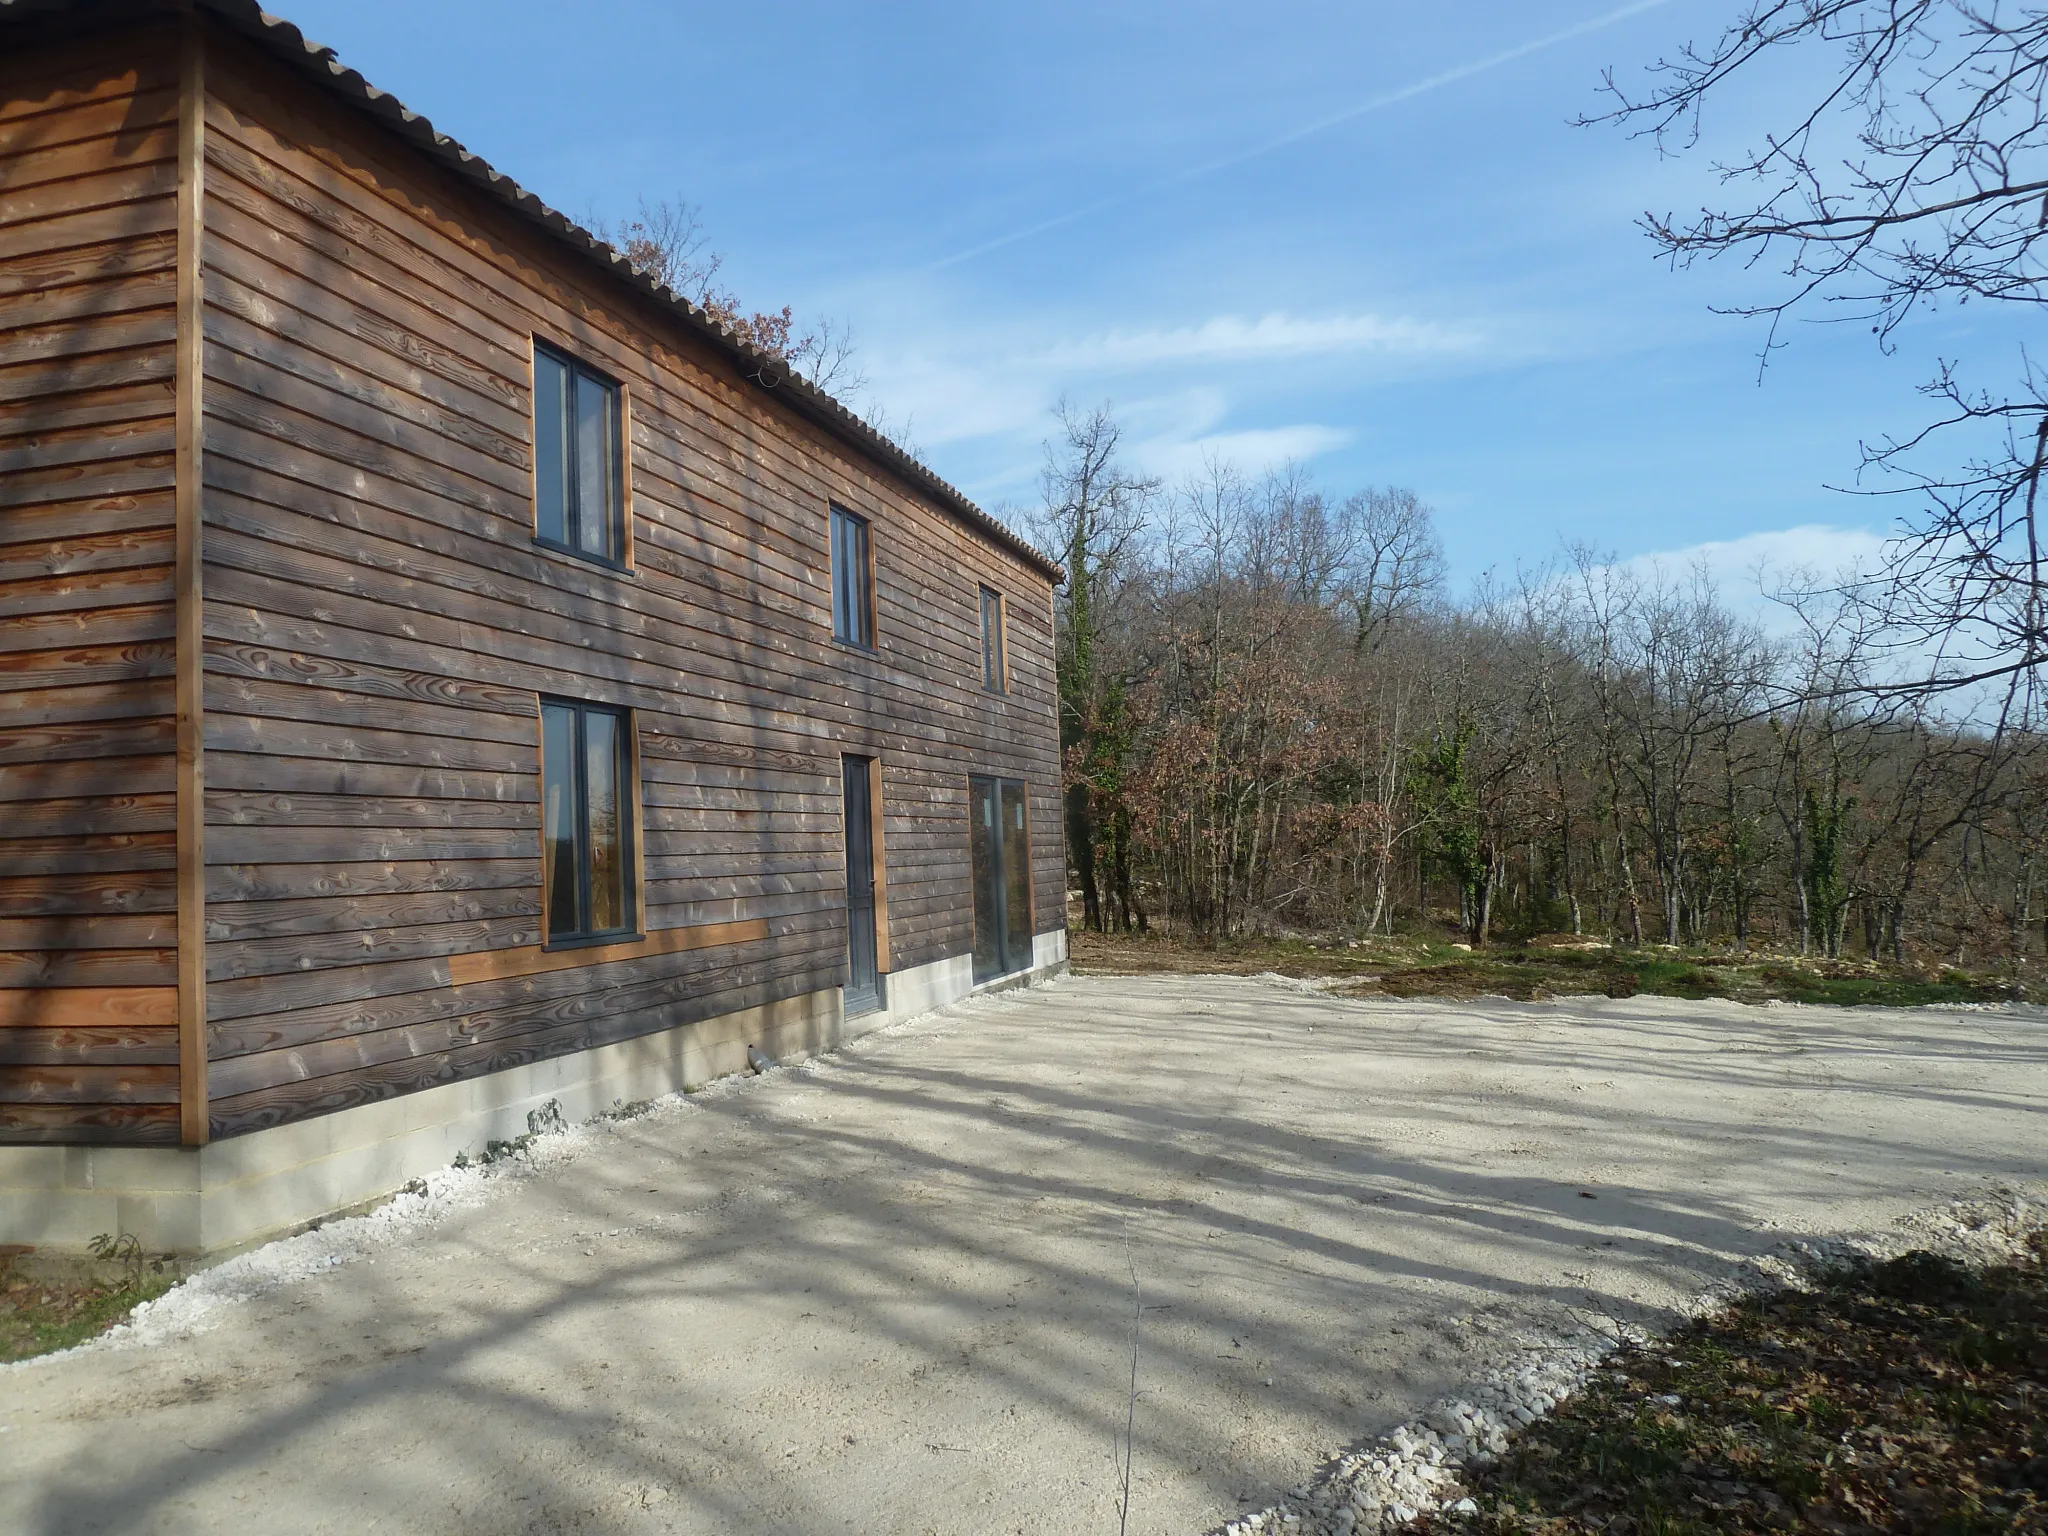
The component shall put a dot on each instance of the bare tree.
(1093, 512)
(1914, 174)
(666, 239)
(1396, 565)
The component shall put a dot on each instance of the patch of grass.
(1896, 991)
(1548, 966)
(1901, 1397)
(39, 1316)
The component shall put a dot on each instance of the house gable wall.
(379, 625)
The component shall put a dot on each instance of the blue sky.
(1363, 236)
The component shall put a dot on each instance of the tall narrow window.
(999, 866)
(586, 765)
(579, 462)
(995, 667)
(853, 586)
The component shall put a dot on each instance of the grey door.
(863, 974)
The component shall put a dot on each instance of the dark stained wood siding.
(379, 624)
(88, 285)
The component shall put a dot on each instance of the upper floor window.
(995, 660)
(579, 473)
(853, 580)
(586, 765)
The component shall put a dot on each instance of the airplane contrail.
(1377, 103)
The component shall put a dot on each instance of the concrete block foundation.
(212, 1200)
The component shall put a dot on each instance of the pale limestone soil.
(888, 1292)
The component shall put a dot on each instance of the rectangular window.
(586, 764)
(853, 586)
(995, 661)
(579, 462)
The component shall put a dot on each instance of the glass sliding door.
(999, 860)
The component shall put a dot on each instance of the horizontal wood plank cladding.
(83, 552)
(92, 814)
(365, 845)
(260, 774)
(80, 1083)
(301, 954)
(67, 778)
(711, 695)
(379, 624)
(84, 739)
(88, 251)
(635, 987)
(86, 853)
(588, 1017)
(243, 998)
(327, 1094)
(30, 969)
(128, 1125)
(229, 883)
(89, 1046)
(54, 522)
(232, 808)
(45, 323)
(227, 731)
(86, 894)
(62, 1008)
(532, 961)
(320, 917)
(81, 666)
(227, 660)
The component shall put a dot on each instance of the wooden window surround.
(590, 799)
(995, 641)
(853, 580)
(580, 462)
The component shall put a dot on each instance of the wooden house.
(441, 670)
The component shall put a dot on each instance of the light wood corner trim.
(193, 1108)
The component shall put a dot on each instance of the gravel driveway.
(889, 1292)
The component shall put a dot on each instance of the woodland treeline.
(1276, 716)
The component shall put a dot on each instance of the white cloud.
(1231, 338)
(1821, 548)
(1745, 569)
(1253, 451)
(962, 380)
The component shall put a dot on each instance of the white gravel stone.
(1412, 1468)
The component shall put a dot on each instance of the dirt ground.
(890, 1292)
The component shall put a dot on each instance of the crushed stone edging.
(1395, 1478)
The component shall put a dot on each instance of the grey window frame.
(580, 374)
(629, 815)
(995, 642)
(853, 579)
